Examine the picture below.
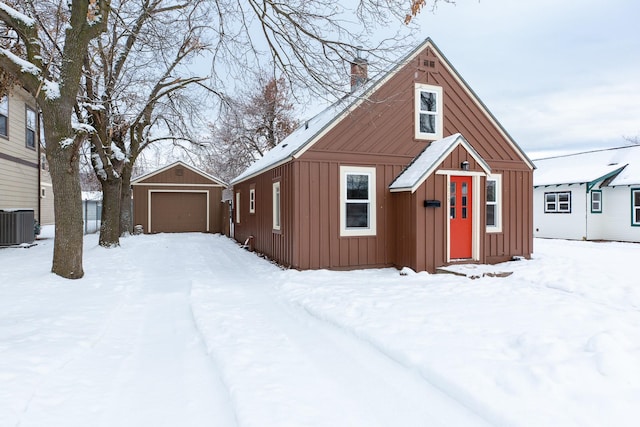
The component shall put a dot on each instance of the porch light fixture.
(464, 166)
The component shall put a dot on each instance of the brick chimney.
(359, 72)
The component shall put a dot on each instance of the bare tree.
(52, 38)
(249, 125)
(135, 75)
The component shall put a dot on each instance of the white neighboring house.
(593, 195)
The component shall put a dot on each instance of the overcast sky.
(560, 75)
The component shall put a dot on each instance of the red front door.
(460, 217)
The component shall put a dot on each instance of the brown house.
(409, 170)
(178, 198)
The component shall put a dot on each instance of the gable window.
(357, 201)
(596, 201)
(276, 205)
(635, 206)
(559, 202)
(252, 200)
(31, 128)
(238, 207)
(428, 110)
(4, 116)
(494, 203)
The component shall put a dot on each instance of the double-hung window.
(237, 207)
(31, 128)
(252, 200)
(596, 201)
(494, 203)
(635, 206)
(276, 205)
(4, 116)
(357, 201)
(559, 202)
(428, 109)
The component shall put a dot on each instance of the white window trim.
(4, 111)
(237, 207)
(28, 128)
(252, 200)
(420, 87)
(359, 170)
(497, 228)
(277, 205)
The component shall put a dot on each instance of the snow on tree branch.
(16, 16)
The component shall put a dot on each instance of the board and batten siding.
(380, 133)
(176, 179)
(277, 244)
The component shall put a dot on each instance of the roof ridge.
(599, 150)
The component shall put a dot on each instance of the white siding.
(561, 225)
(614, 223)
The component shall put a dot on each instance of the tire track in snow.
(254, 332)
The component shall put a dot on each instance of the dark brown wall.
(278, 245)
(140, 204)
(176, 179)
(380, 132)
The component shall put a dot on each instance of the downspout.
(39, 189)
(586, 214)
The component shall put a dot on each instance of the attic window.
(179, 172)
(430, 64)
(428, 112)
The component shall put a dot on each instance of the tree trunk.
(67, 247)
(110, 225)
(126, 212)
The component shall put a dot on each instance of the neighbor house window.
(31, 128)
(494, 203)
(4, 116)
(428, 109)
(559, 202)
(357, 201)
(596, 201)
(252, 200)
(276, 205)
(43, 192)
(635, 206)
(238, 207)
(43, 162)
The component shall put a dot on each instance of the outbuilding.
(178, 198)
(593, 195)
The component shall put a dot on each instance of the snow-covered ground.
(190, 330)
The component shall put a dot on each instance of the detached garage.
(177, 199)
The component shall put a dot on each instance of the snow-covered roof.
(302, 138)
(427, 161)
(183, 164)
(620, 165)
(298, 139)
(94, 196)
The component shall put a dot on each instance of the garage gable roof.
(215, 181)
(428, 161)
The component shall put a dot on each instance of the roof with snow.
(427, 162)
(306, 135)
(619, 166)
